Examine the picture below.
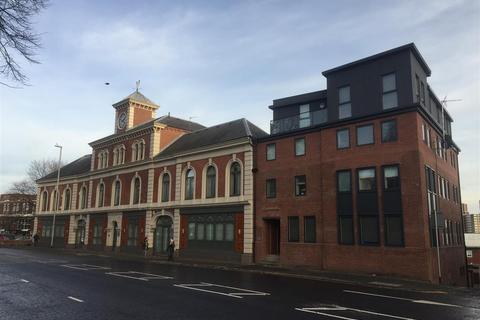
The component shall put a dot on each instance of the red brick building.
(358, 177)
(156, 179)
(16, 213)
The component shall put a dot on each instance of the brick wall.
(320, 164)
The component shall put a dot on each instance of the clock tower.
(132, 111)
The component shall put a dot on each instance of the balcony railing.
(296, 122)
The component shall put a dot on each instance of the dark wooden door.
(274, 237)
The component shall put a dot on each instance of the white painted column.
(89, 199)
(176, 228)
(151, 179)
(74, 196)
(87, 229)
(248, 209)
(149, 221)
(178, 182)
(71, 229)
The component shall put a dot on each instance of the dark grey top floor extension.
(385, 82)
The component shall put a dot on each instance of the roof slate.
(180, 123)
(138, 97)
(213, 135)
(201, 137)
(79, 166)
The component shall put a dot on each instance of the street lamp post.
(57, 197)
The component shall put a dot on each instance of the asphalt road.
(54, 285)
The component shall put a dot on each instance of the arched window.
(54, 201)
(134, 151)
(138, 150)
(136, 190)
(235, 179)
(101, 194)
(83, 198)
(116, 193)
(165, 187)
(189, 184)
(102, 159)
(119, 155)
(66, 200)
(115, 156)
(211, 182)
(44, 200)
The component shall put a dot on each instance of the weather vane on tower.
(137, 83)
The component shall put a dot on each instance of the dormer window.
(102, 159)
(138, 150)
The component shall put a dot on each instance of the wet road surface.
(41, 285)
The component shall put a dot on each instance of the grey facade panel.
(365, 81)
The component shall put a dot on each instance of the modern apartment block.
(359, 177)
(471, 223)
(156, 179)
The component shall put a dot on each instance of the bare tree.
(23, 187)
(17, 36)
(37, 169)
(40, 168)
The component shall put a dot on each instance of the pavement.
(60, 284)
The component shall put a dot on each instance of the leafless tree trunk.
(17, 36)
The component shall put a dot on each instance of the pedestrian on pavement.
(145, 245)
(36, 237)
(171, 249)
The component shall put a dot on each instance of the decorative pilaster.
(89, 199)
(150, 185)
(178, 182)
(248, 209)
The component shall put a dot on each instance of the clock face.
(122, 120)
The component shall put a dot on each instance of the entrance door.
(273, 237)
(80, 234)
(115, 235)
(163, 233)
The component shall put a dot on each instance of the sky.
(216, 61)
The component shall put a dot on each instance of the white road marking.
(404, 299)
(84, 266)
(190, 287)
(380, 314)
(144, 276)
(238, 292)
(386, 284)
(340, 308)
(436, 303)
(23, 280)
(50, 261)
(75, 299)
(323, 314)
